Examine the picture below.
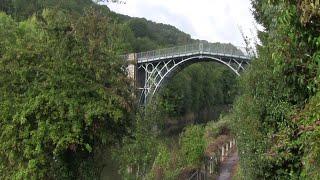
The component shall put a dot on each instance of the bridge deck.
(159, 58)
(220, 50)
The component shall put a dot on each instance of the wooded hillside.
(64, 94)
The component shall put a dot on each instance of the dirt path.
(227, 167)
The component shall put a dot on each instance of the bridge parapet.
(178, 51)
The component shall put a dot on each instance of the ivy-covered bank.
(277, 117)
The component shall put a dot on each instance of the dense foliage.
(277, 117)
(139, 150)
(199, 87)
(148, 155)
(64, 94)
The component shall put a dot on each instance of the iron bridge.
(151, 69)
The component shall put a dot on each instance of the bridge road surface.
(228, 166)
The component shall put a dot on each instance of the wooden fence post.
(222, 153)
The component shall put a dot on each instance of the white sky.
(211, 20)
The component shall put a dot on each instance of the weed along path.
(228, 166)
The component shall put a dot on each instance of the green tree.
(192, 144)
(139, 27)
(64, 94)
(198, 87)
(275, 117)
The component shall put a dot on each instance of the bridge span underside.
(152, 69)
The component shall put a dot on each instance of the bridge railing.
(221, 49)
(211, 164)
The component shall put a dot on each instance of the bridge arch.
(186, 62)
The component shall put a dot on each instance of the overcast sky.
(211, 20)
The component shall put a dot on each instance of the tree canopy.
(64, 94)
(277, 117)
